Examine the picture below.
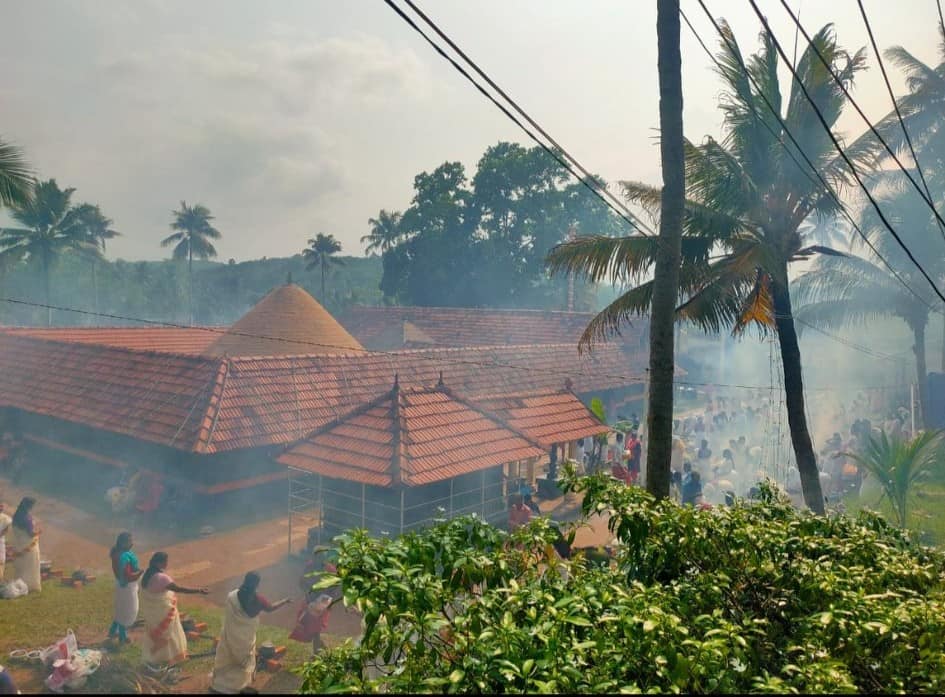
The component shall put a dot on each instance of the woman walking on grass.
(164, 639)
(126, 571)
(235, 662)
(24, 545)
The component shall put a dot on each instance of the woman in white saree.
(24, 546)
(5, 522)
(235, 663)
(164, 641)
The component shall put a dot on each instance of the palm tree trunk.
(46, 282)
(918, 332)
(323, 281)
(190, 274)
(95, 286)
(666, 272)
(794, 396)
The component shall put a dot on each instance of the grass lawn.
(36, 621)
(926, 511)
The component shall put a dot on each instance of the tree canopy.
(481, 241)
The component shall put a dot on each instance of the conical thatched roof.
(296, 323)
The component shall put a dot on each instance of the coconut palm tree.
(849, 291)
(97, 229)
(191, 237)
(899, 464)
(16, 179)
(320, 253)
(385, 232)
(51, 226)
(747, 198)
(923, 112)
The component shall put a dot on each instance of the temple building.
(217, 410)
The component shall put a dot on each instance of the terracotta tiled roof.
(379, 328)
(162, 398)
(162, 339)
(410, 437)
(297, 323)
(208, 405)
(273, 400)
(549, 418)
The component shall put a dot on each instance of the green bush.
(755, 598)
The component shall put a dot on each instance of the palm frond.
(16, 177)
(608, 322)
(173, 239)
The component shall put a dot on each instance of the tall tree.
(843, 291)
(51, 226)
(923, 111)
(666, 272)
(747, 198)
(16, 178)
(320, 253)
(385, 232)
(192, 234)
(482, 241)
(97, 230)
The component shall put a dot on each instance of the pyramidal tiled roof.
(296, 323)
(410, 437)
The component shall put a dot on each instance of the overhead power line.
(628, 217)
(892, 97)
(892, 153)
(840, 151)
(787, 131)
(531, 121)
(469, 61)
(439, 360)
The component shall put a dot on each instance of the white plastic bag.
(14, 589)
(65, 648)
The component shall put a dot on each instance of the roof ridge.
(489, 415)
(398, 431)
(195, 357)
(357, 411)
(223, 373)
(422, 308)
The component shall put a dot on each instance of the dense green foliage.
(755, 598)
(482, 241)
(157, 290)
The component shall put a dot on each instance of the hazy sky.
(293, 117)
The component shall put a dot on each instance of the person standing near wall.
(126, 571)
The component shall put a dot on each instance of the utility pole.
(666, 273)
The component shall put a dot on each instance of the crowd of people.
(719, 448)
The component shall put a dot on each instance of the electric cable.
(25, 331)
(629, 219)
(783, 125)
(842, 153)
(892, 96)
(511, 101)
(853, 103)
